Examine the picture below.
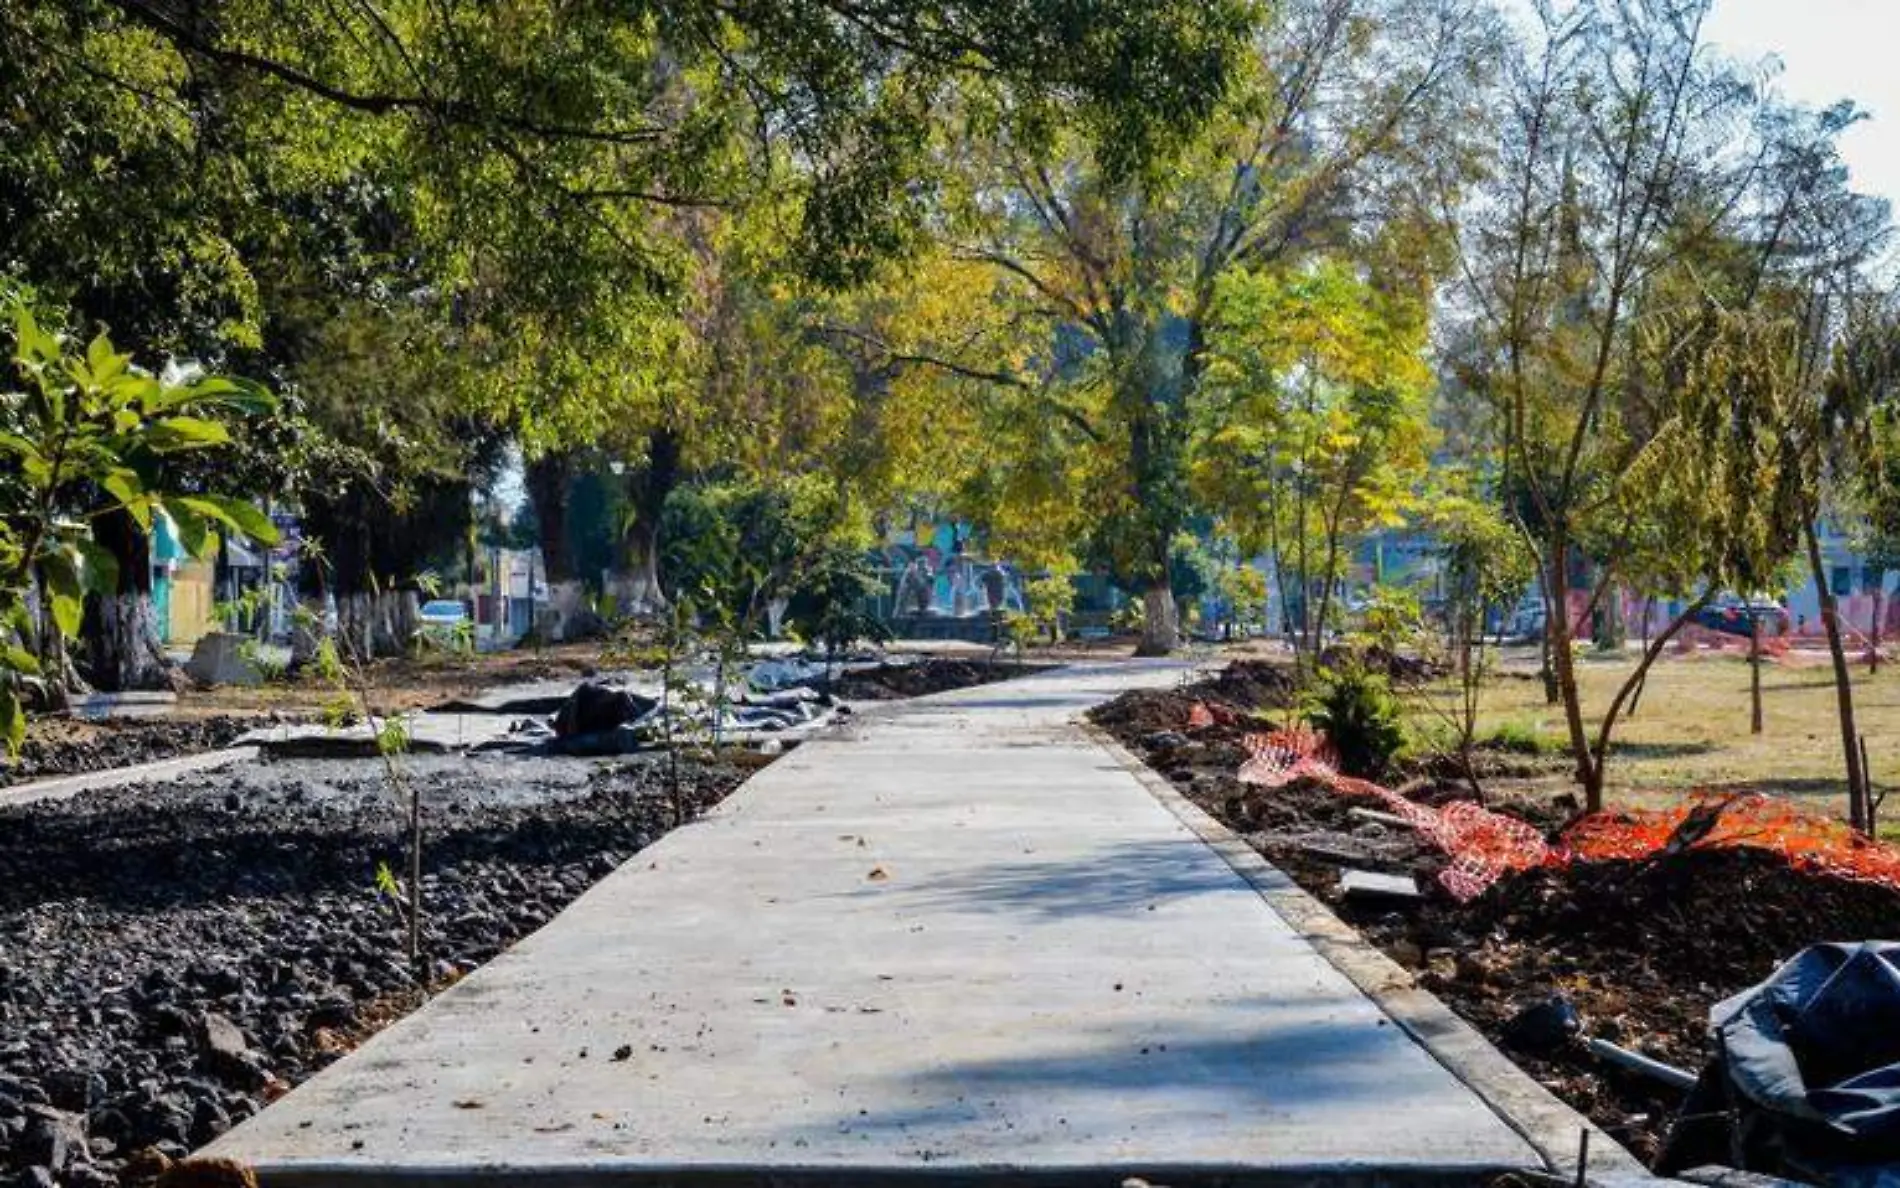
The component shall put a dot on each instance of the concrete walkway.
(957, 942)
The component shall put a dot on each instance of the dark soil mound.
(58, 747)
(1250, 684)
(888, 682)
(1727, 916)
(1139, 713)
(1643, 949)
(1237, 694)
(1394, 666)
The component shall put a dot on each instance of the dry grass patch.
(1691, 728)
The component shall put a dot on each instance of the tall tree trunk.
(547, 481)
(1610, 631)
(1642, 686)
(1558, 630)
(638, 587)
(1873, 636)
(1754, 672)
(120, 635)
(1843, 685)
(1160, 624)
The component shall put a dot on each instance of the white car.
(442, 620)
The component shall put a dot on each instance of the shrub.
(1360, 716)
(1521, 738)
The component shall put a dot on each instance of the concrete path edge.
(1552, 1128)
(157, 771)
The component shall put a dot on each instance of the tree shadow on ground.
(1663, 750)
(1123, 879)
(1157, 1083)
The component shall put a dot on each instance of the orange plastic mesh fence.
(1807, 840)
(1484, 845)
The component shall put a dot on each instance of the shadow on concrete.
(1324, 1053)
(1126, 879)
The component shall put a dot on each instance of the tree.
(1121, 273)
(85, 432)
(1487, 567)
(1637, 396)
(524, 177)
(1314, 427)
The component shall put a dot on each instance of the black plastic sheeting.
(1806, 1079)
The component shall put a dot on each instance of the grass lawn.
(1691, 729)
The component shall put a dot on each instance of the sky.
(1829, 50)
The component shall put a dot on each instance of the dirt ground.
(411, 682)
(1642, 950)
(64, 746)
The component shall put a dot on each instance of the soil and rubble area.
(175, 956)
(886, 681)
(64, 746)
(1633, 951)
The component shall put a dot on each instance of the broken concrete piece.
(1365, 884)
(1378, 818)
(218, 659)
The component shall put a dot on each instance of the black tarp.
(1806, 1078)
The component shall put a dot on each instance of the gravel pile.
(174, 957)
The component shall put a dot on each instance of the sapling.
(349, 675)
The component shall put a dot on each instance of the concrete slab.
(957, 942)
(157, 771)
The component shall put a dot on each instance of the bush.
(1361, 718)
(1520, 738)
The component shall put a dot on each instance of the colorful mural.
(930, 573)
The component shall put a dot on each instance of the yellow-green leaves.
(87, 428)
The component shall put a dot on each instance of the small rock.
(74, 1089)
(1408, 954)
(1543, 1026)
(1366, 884)
(146, 1165)
(54, 1138)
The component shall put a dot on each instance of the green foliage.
(1361, 717)
(1520, 737)
(831, 604)
(84, 435)
(1244, 589)
(266, 663)
(392, 737)
(1393, 618)
(730, 548)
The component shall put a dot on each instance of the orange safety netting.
(1807, 840)
(1484, 845)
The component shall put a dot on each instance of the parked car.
(1732, 615)
(443, 621)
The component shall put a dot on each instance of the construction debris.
(1369, 885)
